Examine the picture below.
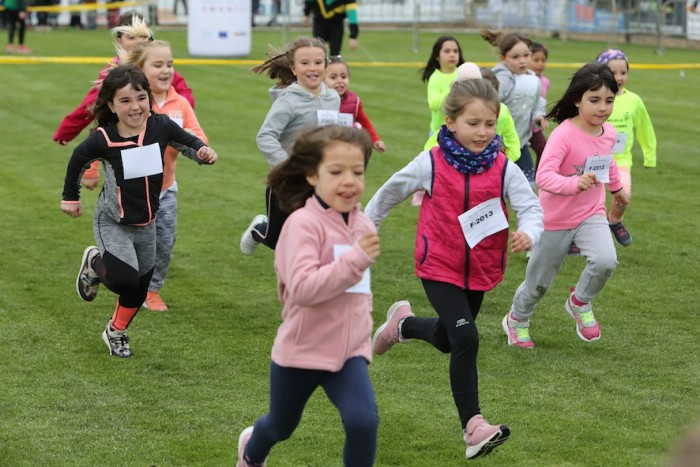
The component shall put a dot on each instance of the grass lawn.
(199, 373)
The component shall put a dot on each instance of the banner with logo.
(219, 28)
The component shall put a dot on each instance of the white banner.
(219, 28)
(693, 24)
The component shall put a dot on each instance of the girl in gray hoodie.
(300, 99)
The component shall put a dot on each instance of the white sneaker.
(248, 243)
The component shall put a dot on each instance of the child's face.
(475, 127)
(449, 56)
(594, 108)
(127, 41)
(619, 68)
(517, 59)
(340, 177)
(538, 62)
(132, 109)
(159, 70)
(309, 67)
(337, 77)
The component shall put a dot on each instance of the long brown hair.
(279, 65)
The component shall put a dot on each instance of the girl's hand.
(353, 44)
(520, 241)
(586, 181)
(73, 209)
(207, 154)
(90, 183)
(370, 244)
(543, 123)
(621, 198)
(379, 146)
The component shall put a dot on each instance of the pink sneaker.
(482, 438)
(586, 326)
(518, 332)
(10, 48)
(23, 49)
(388, 333)
(242, 443)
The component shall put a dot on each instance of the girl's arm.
(181, 87)
(645, 134)
(505, 127)
(363, 120)
(303, 279)
(189, 145)
(437, 91)
(268, 139)
(417, 175)
(524, 202)
(82, 156)
(549, 175)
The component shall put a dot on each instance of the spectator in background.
(329, 21)
(16, 16)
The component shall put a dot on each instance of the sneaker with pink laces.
(242, 443)
(388, 333)
(586, 326)
(482, 438)
(518, 332)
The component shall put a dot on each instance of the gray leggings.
(593, 238)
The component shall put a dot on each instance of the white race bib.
(142, 161)
(600, 166)
(178, 120)
(345, 119)
(620, 143)
(483, 220)
(363, 285)
(327, 117)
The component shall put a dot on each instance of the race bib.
(600, 166)
(483, 220)
(620, 143)
(327, 117)
(142, 161)
(178, 120)
(345, 119)
(363, 285)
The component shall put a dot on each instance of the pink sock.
(576, 301)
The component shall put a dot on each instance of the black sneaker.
(117, 341)
(88, 282)
(621, 234)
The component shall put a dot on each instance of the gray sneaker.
(117, 341)
(88, 282)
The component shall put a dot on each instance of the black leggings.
(268, 233)
(331, 31)
(13, 20)
(454, 332)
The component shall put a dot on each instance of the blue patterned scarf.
(461, 158)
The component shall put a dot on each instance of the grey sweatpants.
(166, 228)
(594, 240)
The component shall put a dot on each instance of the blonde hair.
(279, 65)
(139, 53)
(137, 28)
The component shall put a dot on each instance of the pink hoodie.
(561, 165)
(323, 325)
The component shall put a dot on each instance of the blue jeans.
(349, 389)
(526, 165)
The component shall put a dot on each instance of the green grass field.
(199, 373)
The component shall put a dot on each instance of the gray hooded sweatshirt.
(522, 94)
(293, 109)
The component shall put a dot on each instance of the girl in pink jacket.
(322, 262)
(577, 164)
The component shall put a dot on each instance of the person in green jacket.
(630, 118)
(15, 16)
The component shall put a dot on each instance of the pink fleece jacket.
(561, 165)
(323, 325)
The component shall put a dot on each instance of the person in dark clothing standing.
(329, 21)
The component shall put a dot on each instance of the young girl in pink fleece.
(577, 164)
(322, 261)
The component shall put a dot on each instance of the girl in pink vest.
(322, 261)
(461, 242)
(338, 78)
